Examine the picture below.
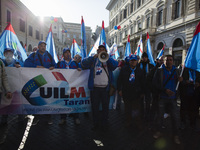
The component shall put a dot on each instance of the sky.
(93, 11)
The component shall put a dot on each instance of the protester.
(146, 102)
(4, 85)
(41, 59)
(68, 63)
(100, 78)
(130, 87)
(35, 48)
(155, 94)
(164, 81)
(9, 61)
(189, 89)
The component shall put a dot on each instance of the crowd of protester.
(149, 92)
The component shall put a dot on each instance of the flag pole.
(180, 76)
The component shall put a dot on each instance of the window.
(125, 33)
(160, 17)
(178, 43)
(138, 3)
(30, 31)
(139, 26)
(41, 36)
(115, 39)
(177, 9)
(74, 35)
(116, 20)
(54, 27)
(37, 35)
(8, 16)
(120, 37)
(29, 48)
(131, 7)
(148, 22)
(22, 25)
(68, 35)
(131, 29)
(120, 16)
(80, 36)
(125, 12)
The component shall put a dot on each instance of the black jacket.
(130, 90)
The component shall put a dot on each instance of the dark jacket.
(158, 80)
(130, 90)
(187, 89)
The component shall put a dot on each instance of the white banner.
(43, 91)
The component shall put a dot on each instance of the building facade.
(168, 22)
(31, 29)
(28, 28)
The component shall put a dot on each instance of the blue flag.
(114, 52)
(83, 39)
(75, 49)
(149, 52)
(192, 60)
(103, 36)
(50, 45)
(139, 50)
(161, 52)
(128, 48)
(8, 39)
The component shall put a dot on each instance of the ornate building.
(169, 22)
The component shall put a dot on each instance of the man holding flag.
(164, 81)
(146, 67)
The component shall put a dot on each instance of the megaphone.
(103, 56)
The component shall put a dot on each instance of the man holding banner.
(41, 59)
(99, 81)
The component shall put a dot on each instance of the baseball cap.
(8, 49)
(42, 42)
(133, 57)
(66, 49)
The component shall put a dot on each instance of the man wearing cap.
(100, 78)
(40, 59)
(146, 67)
(68, 63)
(9, 61)
(4, 85)
(130, 84)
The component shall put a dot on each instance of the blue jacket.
(89, 63)
(73, 65)
(12, 64)
(34, 61)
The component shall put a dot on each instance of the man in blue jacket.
(165, 81)
(68, 63)
(41, 59)
(99, 81)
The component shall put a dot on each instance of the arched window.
(29, 48)
(178, 43)
(160, 46)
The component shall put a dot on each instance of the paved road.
(81, 137)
